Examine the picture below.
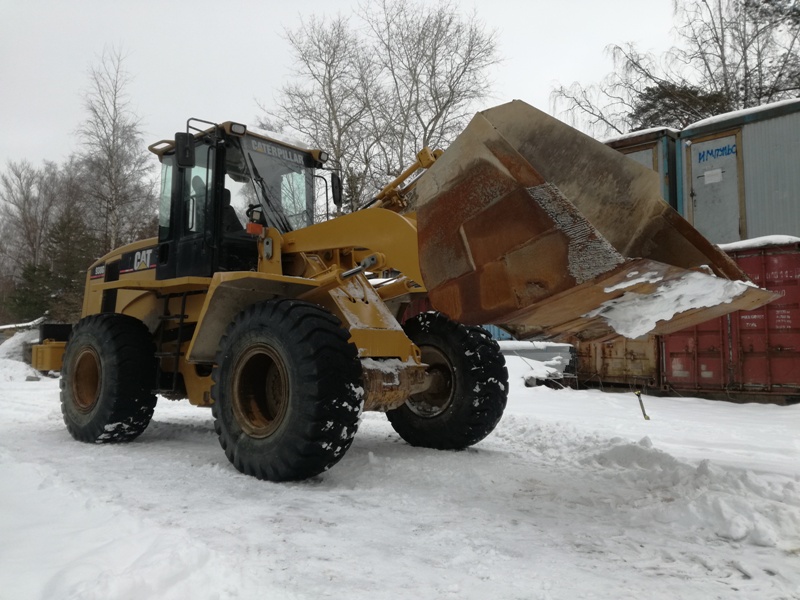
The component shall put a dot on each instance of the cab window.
(165, 198)
(198, 191)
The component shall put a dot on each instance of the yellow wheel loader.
(289, 329)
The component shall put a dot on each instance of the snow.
(28, 325)
(641, 132)
(633, 280)
(574, 495)
(633, 315)
(512, 345)
(14, 370)
(740, 113)
(760, 242)
(389, 366)
(14, 347)
(531, 371)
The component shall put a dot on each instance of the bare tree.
(119, 179)
(732, 54)
(45, 243)
(744, 49)
(434, 63)
(325, 104)
(55, 220)
(373, 94)
(28, 196)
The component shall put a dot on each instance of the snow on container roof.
(643, 135)
(741, 117)
(760, 242)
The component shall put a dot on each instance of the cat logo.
(142, 259)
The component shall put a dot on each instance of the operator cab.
(216, 180)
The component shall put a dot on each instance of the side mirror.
(184, 150)
(336, 189)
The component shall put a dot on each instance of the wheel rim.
(86, 381)
(439, 396)
(260, 391)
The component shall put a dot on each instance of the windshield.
(281, 178)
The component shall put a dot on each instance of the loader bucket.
(528, 223)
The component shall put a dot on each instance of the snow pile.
(14, 347)
(14, 370)
(536, 362)
(529, 371)
(739, 506)
(633, 315)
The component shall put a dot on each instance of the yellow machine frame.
(324, 268)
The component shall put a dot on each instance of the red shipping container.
(767, 355)
(695, 357)
(748, 355)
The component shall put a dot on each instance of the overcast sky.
(215, 59)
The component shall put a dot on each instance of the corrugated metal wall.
(747, 354)
(772, 176)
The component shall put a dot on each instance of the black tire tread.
(126, 404)
(326, 375)
(472, 415)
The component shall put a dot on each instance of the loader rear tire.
(107, 379)
(470, 385)
(287, 390)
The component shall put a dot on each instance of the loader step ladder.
(176, 354)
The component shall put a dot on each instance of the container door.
(695, 358)
(767, 339)
(715, 188)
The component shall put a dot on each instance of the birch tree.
(119, 181)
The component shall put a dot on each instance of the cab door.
(196, 241)
(186, 217)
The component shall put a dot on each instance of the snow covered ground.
(575, 495)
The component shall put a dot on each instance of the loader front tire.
(287, 390)
(107, 379)
(469, 391)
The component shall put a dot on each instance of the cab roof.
(162, 147)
